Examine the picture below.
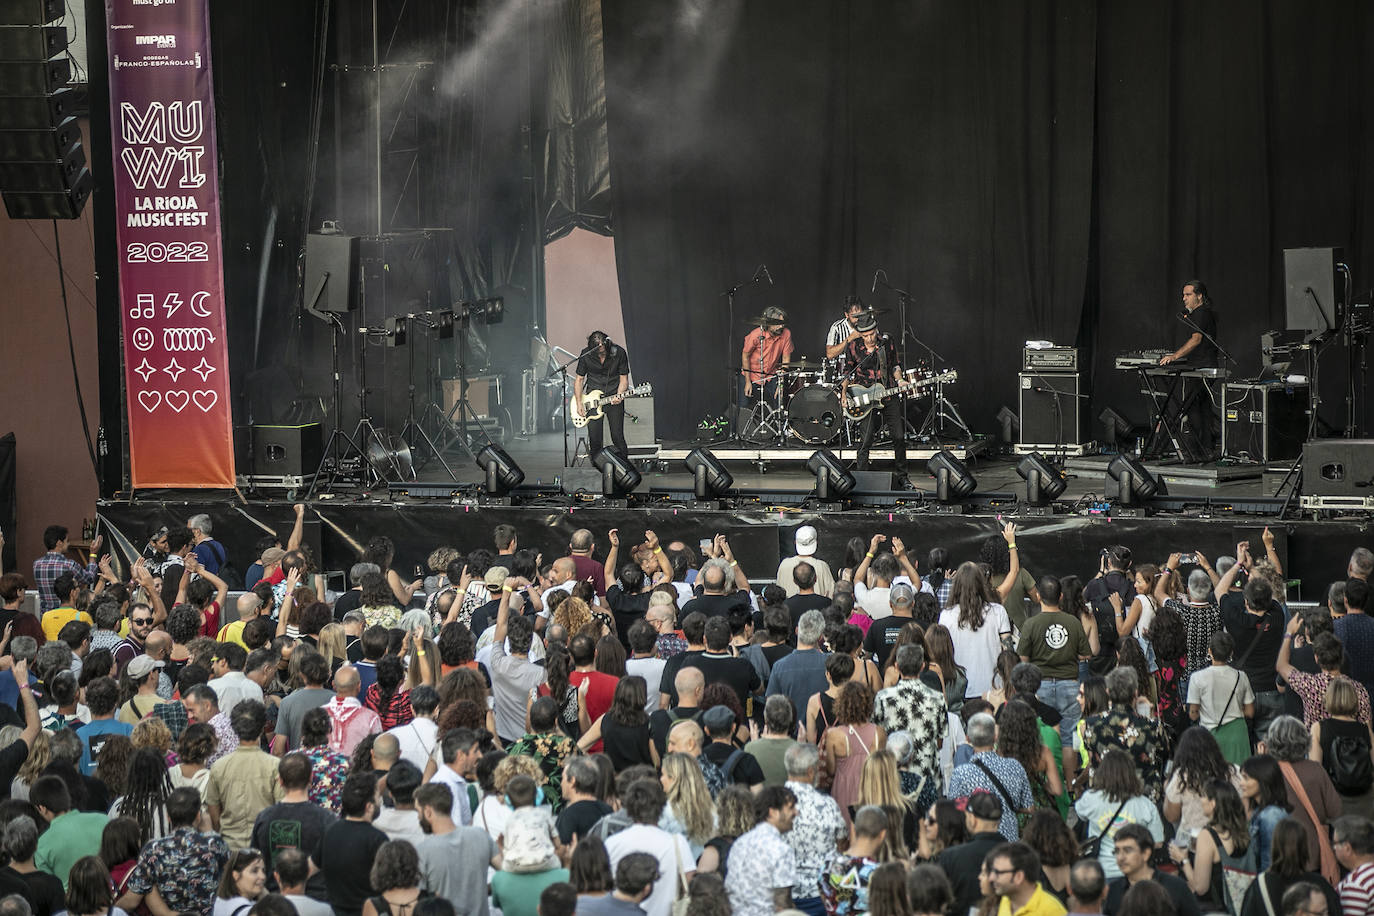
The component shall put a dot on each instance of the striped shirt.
(1357, 891)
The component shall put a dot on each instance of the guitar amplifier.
(1052, 413)
(1050, 359)
(639, 422)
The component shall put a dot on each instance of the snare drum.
(814, 414)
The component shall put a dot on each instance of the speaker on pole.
(43, 172)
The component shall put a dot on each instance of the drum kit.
(801, 402)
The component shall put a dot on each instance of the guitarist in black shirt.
(872, 360)
(603, 367)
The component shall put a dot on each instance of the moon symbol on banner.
(143, 338)
(197, 307)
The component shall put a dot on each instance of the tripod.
(413, 441)
(364, 433)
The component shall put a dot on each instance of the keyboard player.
(1199, 351)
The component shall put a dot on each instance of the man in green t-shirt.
(1055, 642)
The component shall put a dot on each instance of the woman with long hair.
(1054, 842)
(558, 668)
(1198, 762)
(589, 868)
(854, 550)
(847, 743)
(422, 662)
(386, 697)
(381, 550)
(887, 893)
(911, 634)
(879, 785)
(610, 656)
(1223, 844)
(1007, 659)
(1287, 866)
(706, 896)
(1140, 615)
(689, 810)
(978, 626)
(937, 576)
(735, 817)
(378, 602)
(1018, 737)
(1266, 802)
(1009, 580)
(1092, 700)
(396, 879)
(1338, 743)
(120, 841)
(820, 709)
(623, 730)
(940, 659)
(942, 827)
(244, 881)
(1117, 797)
(1130, 654)
(1168, 637)
(40, 755)
(467, 684)
(90, 893)
(333, 645)
(145, 795)
(112, 764)
(572, 614)
(850, 641)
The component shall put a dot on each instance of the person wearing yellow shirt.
(64, 613)
(248, 606)
(1014, 873)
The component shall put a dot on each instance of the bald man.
(248, 606)
(581, 545)
(563, 575)
(689, 683)
(386, 750)
(350, 721)
(158, 647)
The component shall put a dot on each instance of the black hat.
(866, 323)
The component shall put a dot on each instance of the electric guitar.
(593, 401)
(863, 398)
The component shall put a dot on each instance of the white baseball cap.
(806, 541)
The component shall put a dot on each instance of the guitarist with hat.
(605, 367)
(871, 359)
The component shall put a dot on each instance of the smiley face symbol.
(143, 339)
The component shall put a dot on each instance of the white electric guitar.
(862, 399)
(593, 401)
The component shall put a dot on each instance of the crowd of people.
(636, 727)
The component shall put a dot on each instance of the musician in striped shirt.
(872, 360)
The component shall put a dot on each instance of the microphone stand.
(731, 399)
(1187, 319)
(562, 371)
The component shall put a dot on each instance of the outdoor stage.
(1207, 510)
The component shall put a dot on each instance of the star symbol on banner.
(203, 370)
(144, 370)
(174, 369)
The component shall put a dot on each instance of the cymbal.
(802, 364)
(876, 312)
(762, 321)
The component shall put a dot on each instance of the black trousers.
(894, 409)
(1202, 417)
(615, 419)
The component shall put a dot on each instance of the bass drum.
(815, 416)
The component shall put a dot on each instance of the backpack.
(715, 777)
(1348, 764)
(1105, 659)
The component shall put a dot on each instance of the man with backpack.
(738, 766)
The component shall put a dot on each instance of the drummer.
(765, 349)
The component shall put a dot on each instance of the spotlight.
(618, 476)
(1134, 482)
(483, 311)
(503, 474)
(952, 479)
(710, 478)
(1116, 429)
(1010, 424)
(1044, 482)
(833, 482)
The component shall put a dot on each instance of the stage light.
(952, 479)
(618, 476)
(1115, 428)
(710, 478)
(503, 474)
(483, 311)
(1134, 482)
(832, 480)
(1010, 424)
(1044, 481)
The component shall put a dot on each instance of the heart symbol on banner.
(177, 400)
(206, 399)
(150, 400)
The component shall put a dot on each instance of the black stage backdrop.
(1025, 170)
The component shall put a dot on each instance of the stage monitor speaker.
(27, 42)
(34, 78)
(1338, 467)
(1051, 412)
(278, 451)
(1312, 288)
(336, 255)
(876, 482)
(31, 12)
(61, 204)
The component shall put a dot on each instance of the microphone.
(874, 288)
(767, 274)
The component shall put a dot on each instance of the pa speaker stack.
(43, 172)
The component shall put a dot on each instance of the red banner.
(171, 278)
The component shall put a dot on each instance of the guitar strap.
(882, 361)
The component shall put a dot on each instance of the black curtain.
(1051, 170)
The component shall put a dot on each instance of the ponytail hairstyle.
(936, 561)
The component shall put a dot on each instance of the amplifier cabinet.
(1052, 413)
(1266, 421)
(1338, 467)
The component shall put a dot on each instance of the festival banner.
(171, 277)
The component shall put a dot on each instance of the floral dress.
(1173, 712)
(550, 750)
